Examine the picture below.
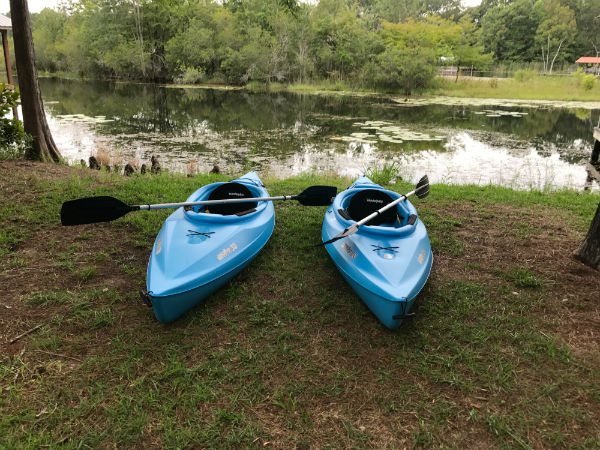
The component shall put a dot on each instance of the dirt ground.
(494, 245)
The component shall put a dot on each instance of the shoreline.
(506, 89)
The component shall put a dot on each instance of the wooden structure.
(593, 166)
(589, 250)
(5, 25)
(593, 60)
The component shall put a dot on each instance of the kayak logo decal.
(158, 246)
(236, 194)
(421, 256)
(349, 250)
(227, 251)
(206, 234)
(374, 200)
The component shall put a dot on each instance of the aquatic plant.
(387, 173)
(386, 132)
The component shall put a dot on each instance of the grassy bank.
(503, 352)
(537, 88)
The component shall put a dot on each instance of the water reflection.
(286, 134)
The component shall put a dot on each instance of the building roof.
(5, 23)
(589, 60)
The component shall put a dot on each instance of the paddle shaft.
(354, 227)
(212, 202)
(385, 208)
(422, 184)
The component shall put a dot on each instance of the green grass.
(537, 88)
(534, 88)
(522, 277)
(286, 355)
(384, 174)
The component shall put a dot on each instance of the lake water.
(522, 145)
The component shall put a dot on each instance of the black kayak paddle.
(105, 209)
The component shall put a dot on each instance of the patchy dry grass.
(504, 351)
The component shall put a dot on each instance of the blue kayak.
(199, 249)
(388, 260)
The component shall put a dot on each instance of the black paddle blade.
(422, 189)
(317, 196)
(93, 210)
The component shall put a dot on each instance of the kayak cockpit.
(354, 205)
(230, 211)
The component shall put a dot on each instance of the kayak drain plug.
(146, 297)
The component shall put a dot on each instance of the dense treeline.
(366, 43)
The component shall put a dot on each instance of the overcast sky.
(34, 5)
(38, 5)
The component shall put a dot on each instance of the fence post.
(596, 151)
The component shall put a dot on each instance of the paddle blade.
(422, 189)
(317, 196)
(92, 210)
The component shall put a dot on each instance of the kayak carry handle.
(404, 316)
(145, 295)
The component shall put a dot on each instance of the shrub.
(191, 75)
(13, 139)
(524, 75)
(405, 69)
(578, 75)
(588, 82)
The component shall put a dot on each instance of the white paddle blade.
(347, 232)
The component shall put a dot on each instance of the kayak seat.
(368, 201)
(230, 190)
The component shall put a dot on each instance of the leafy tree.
(34, 118)
(405, 68)
(409, 60)
(397, 11)
(464, 48)
(265, 40)
(587, 18)
(340, 41)
(196, 45)
(48, 32)
(555, 32)
(508, 31)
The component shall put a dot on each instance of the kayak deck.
(196, 252)
(388, 264)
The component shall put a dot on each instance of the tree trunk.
(544, 59)
(595, 153)
(589, 250)
(553, 59)
(34, 118)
